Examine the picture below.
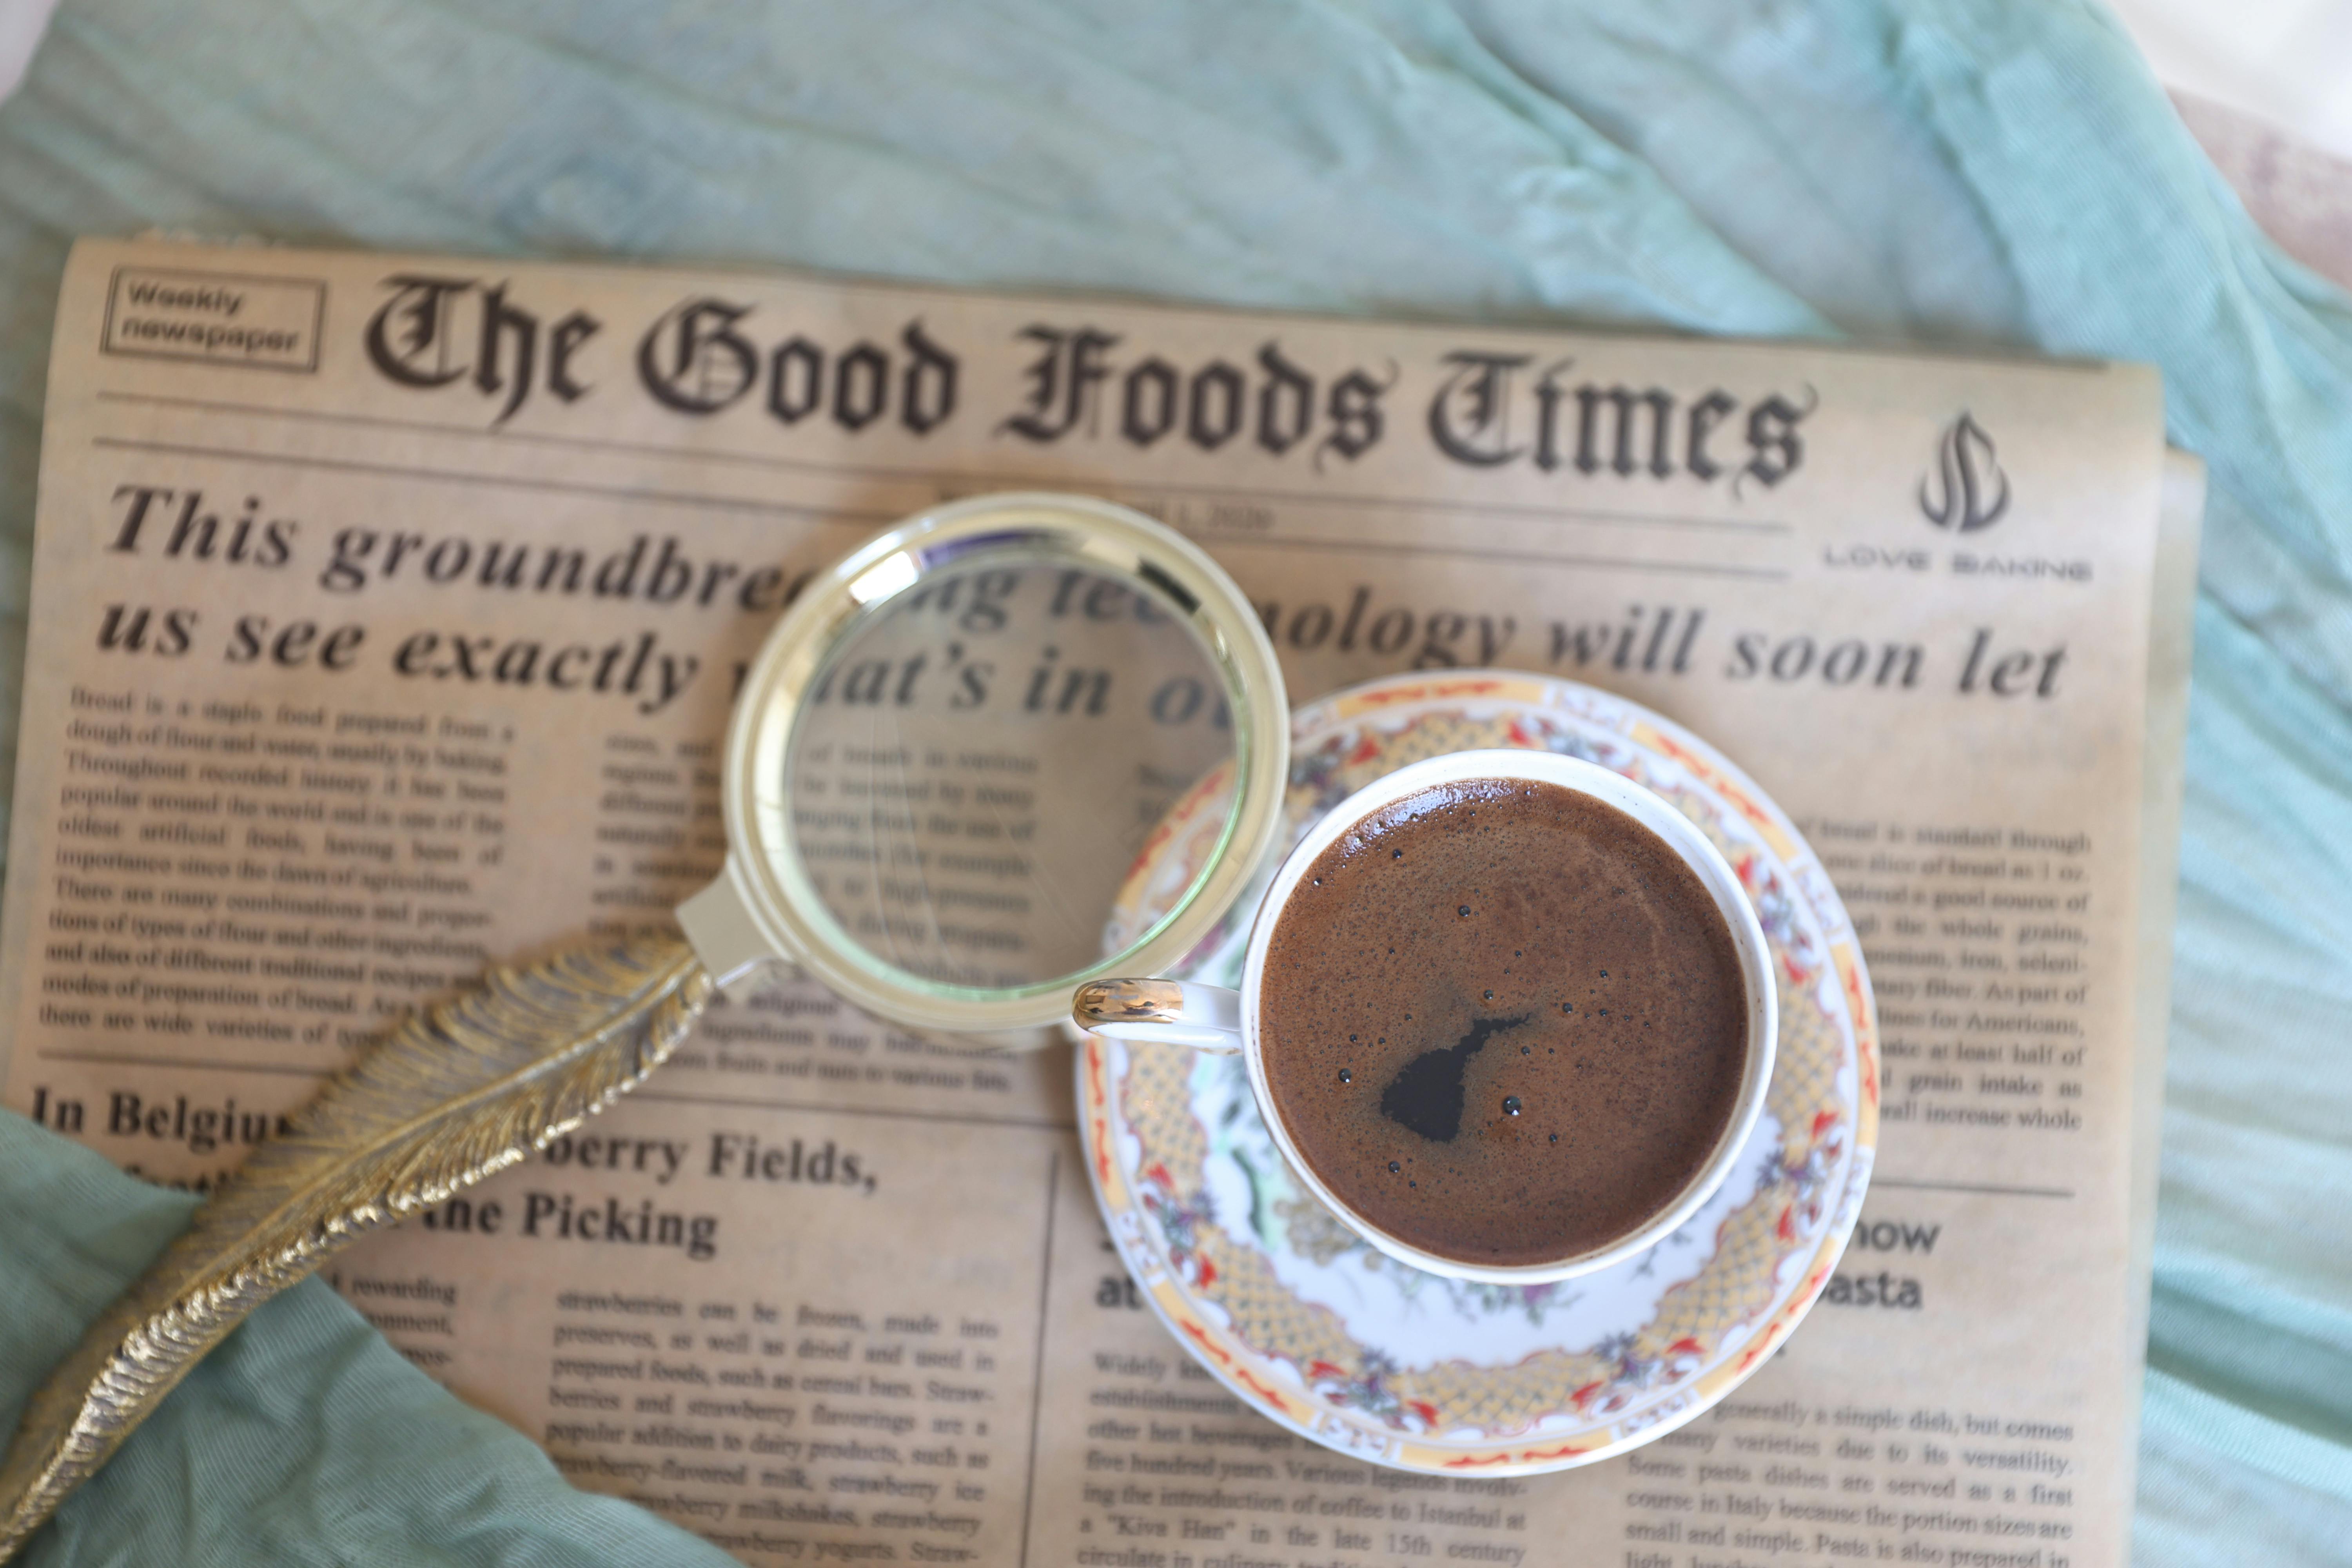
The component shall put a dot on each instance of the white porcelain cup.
(1210, 1019)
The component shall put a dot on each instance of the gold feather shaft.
(452, 1095)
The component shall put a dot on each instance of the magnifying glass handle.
(1172, 1012)
(453, 1094)
(718, 923)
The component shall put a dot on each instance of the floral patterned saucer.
(1306, 1322)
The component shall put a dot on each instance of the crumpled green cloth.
(1976, 172)
(304, 1438)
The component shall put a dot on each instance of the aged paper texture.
(386, 614)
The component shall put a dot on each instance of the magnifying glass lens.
(984, 754)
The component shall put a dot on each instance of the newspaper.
(386, 614)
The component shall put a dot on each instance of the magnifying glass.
(953, 748)
(941, 768)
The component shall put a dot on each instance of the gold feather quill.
(453, 1095)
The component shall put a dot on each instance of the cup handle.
(1172, 1012)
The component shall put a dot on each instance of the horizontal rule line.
(508, 481)
(730, 1102)
(195, 1064)
(992, 481)
(1994, 1189)
(1526, 557)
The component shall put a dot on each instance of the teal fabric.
(304, 1439)
(1981, 172)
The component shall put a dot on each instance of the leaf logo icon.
(1966, 490)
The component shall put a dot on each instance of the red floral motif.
(1368, 1392)
(1098, 1099)
(1568, 1450)
(1865, 1045)
(1200, 1336)
(1431, 691)
(1637, 1373)
(1714, 779)
(1272, 1396)
(1562, 1451)
(1777, 1329)
(1181, 1220)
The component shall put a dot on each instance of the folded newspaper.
(386, 614)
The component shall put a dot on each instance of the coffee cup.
(1683, 1145)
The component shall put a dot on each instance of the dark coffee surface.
(1503, 1022)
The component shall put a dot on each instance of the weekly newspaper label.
(386, 615)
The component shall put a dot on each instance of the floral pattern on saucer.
(1346, 1346)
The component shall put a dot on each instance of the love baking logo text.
(708, 355)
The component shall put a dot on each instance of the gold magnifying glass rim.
(1080, 531)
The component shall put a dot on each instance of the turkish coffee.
(1503, 1022)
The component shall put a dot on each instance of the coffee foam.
(1522, 1000)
